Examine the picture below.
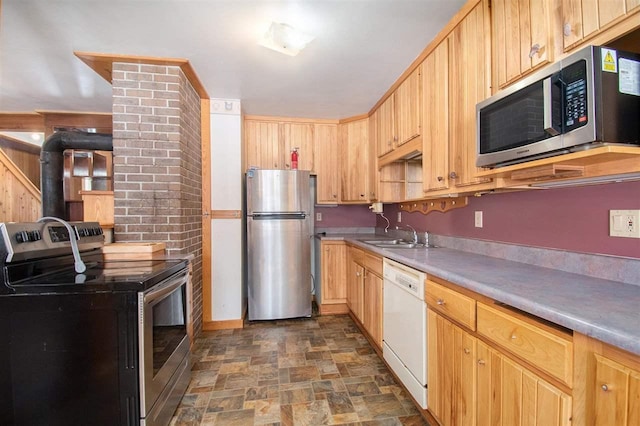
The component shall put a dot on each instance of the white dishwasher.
(405, 327)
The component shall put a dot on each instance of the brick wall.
(157, 163)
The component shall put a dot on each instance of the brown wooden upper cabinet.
(268, 144)
(354, 142)
(400, 115)
(468, 85)
(584, 19)
(435, 140)
(521, 37)
(327, 163)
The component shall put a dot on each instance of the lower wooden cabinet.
(451, 372)
(372, 306)
(474, 381)
(355, 283)
(607, 390)
(333, 277)
(365, 290)
(511, 395)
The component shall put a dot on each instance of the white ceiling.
(361, 48)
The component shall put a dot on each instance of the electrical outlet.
(318, 217)
(624, 223)
(478, 219)
(399, 217)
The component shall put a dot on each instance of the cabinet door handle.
(481, 362)
(440, 302)
(534, 50)
(467, 351)
(453, 175)
(605, 388)
(440, 178)
(513, 337)
(566, 29)
(357, 274)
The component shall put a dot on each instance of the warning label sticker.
(609, 62)
(629, 77)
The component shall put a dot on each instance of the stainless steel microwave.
(589, 98)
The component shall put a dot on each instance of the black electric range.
(70, 334)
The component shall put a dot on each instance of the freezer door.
(278, 191)
(279, 268)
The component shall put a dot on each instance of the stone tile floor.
(316, 371)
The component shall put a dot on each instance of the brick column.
(157, 163)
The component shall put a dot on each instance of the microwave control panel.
(575, 95)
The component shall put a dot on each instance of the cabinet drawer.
(450, 303)
(373, 263)
(356, 255)
(549, 352)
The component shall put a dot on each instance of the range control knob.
(22, 237)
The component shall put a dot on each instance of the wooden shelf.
(565, 162)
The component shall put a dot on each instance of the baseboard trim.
(333, 309)
(222, 325)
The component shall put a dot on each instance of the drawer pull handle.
(440, 302)
(605, 388)
(513, 337)
(467, 351)
(481, 362)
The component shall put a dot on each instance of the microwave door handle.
(548, 107)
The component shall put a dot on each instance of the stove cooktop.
(100, 276)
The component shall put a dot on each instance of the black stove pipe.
(52, 165)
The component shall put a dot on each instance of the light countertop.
(606, 310)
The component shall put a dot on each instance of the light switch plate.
(318, 217)
(478, 219)
(399, 217)
(624, 223)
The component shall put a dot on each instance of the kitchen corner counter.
(603, 309)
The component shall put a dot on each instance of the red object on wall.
(294, 159)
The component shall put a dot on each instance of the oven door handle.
(160, 290)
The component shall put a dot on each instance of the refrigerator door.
(279, 267)
(278, 191)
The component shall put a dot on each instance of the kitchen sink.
(396, 244)
(389, 242)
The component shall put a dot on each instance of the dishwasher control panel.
(405, 277)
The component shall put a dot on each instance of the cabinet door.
(334, 272)
(451, 372)
(327, 163)
(510, 395)
(355, 157)
(372, 306)
(262, 144)
(300, 136)
(355, 292)
(521, 38)
(435, 140)
(386, 126)
(616, 394)
(409, 107)
(374, 173)
(468, 78)
(583, 19)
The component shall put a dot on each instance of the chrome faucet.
(415, 234)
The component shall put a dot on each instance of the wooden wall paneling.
(20, 199)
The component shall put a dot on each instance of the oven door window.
(518, 119)
(169, 326)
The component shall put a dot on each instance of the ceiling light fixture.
(285, 39)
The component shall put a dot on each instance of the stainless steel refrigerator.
(279, 231)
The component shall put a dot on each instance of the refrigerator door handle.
(279, 216)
